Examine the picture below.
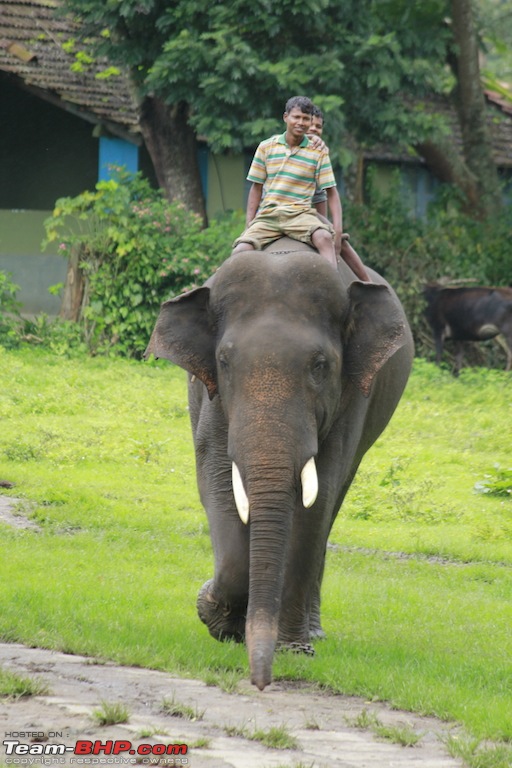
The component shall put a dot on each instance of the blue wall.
(116, 152)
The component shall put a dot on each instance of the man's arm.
(253, 201)
(334, 203)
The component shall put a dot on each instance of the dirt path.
(322, 724)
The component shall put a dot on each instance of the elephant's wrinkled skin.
(288, 360)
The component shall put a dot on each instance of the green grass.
(418, 586)
(276, 737)
(111, 713)
(398, 734)
(13, 686)
(477, 755)
(174, 708)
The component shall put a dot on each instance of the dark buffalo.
(469, 314)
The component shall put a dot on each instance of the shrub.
(10, 320)
(133, 250)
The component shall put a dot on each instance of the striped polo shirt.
(291, 175)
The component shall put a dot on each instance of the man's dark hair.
(317, 112)
(299, 102)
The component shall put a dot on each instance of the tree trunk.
(473, 170)
(445, 161)
(471, 108)
(74, 290)
(172, 146)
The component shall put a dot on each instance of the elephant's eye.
(319, 369)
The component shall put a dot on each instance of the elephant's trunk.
(270, 523)
(270, 443)
(261, 644)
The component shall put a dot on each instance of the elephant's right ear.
(183, 333)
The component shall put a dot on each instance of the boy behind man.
(319, 202)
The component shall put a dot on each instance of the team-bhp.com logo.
(18, 753)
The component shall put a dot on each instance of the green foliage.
(277, 737)
(399, 734)
(221, 59)
(135, 250)
(14, 686)
(10, 320)
(111, 713)
(62, 337)
(496, 483)
(495, 20)
(174, 708)
(478, 754)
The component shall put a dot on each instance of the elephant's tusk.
(309, 479)
(241, 500)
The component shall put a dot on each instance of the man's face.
(297, 122)
(317, 126)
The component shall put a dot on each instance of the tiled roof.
(499, 123)
(500, 127)
(35, 51)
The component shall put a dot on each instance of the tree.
(474, 170)
(417, 55)
(223, 71)
(218, 70)
(495, 22)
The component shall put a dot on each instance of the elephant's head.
(278, 338)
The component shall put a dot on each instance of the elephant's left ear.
(377, 329)
(183, 333)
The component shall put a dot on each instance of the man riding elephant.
(291, 168)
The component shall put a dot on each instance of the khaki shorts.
(267, 227)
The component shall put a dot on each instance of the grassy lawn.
(417, 598)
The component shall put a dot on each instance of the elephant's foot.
(315, 627)
(316, 633)
(224, 621)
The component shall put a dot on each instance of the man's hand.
(317, 142)
(338, 240)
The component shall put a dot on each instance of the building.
(65, 118)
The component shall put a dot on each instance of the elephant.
(295, 369)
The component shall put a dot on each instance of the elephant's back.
(288, 245)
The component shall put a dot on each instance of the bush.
(62, 337)
(133, 250)
(10, 320)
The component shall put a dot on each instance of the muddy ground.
(223, 725)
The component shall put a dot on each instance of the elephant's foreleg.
(222, 600)
(315, 625)
(301, 594)
(225, 620)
